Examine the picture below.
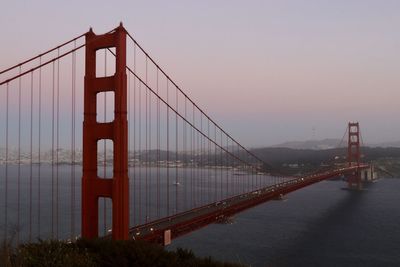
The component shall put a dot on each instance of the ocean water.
(321, 225)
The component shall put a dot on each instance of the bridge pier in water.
(369, 175)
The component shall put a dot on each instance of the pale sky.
(267, 71)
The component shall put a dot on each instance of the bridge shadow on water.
(320, 225)
(336, 238)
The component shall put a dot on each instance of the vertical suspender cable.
(52, 156)
(198, 176)
(237, 166)
(192, 160)
(258, 177)
(213, 152)
(39, 146)
(213, 182)
(215, 163)
(253, 169)
(208, 161)
(196, 161)
(227, 168)
(231, 164)
(129, 143)
(176, 152)
(254, 175)
(214, 176)
(167, 149)
(6, 178)
(201, 161)
(31, 163)
(203, 174)
(241, 178)
(236, 177)
(247, 167)
(220, 167)
(140, 155)
(19, 160)
(74, 151)
(243, 168)
(204, 139)
(58, 142)
(146, 205)
(150, 165)
(72, 148)
(185, 156)
(134, 135)
(158, 150)
(73, 144)
(245, 177)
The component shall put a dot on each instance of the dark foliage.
(100, 253)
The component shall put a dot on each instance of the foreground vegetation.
(100, 253)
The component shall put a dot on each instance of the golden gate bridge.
(97, 140)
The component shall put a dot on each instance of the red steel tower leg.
(94, 187)
(353, 153)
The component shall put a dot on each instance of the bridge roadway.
(162, 230)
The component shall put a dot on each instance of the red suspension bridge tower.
(94, 187)
(353, 154)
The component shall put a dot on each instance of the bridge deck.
(191, 220)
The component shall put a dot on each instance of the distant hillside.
(312, 144)
(330, 143)
(386, 144)
(294, 161)
(280, 155)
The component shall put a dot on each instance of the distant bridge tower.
(353, 154)
(94, 187)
